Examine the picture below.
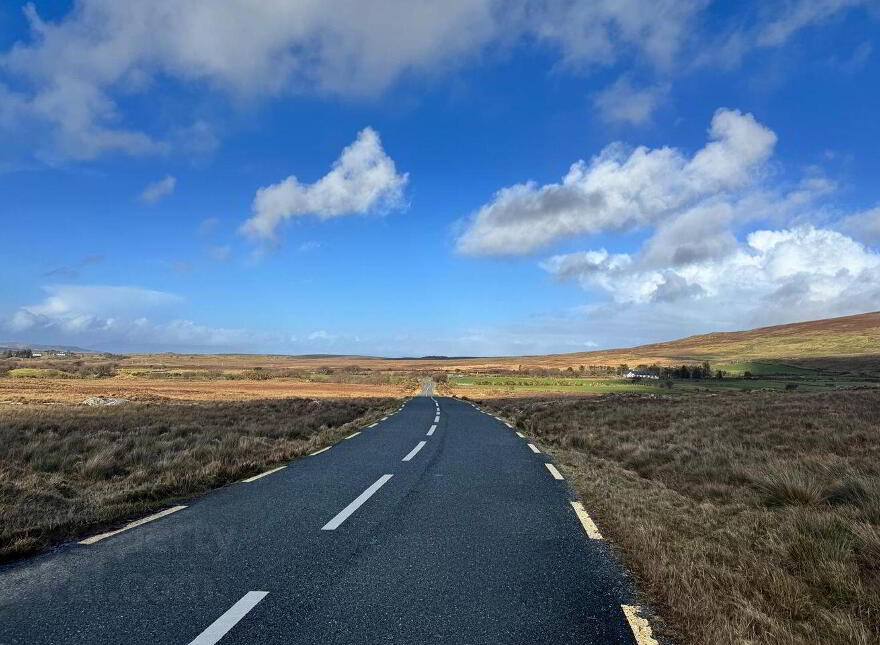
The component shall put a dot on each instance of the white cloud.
(116, 316)
(158, 190)
(801, 14)
(605, 31)
(775, 276)
(60, 89)
(363, 179)
(620, 190)
(864, 226)
(623, 103)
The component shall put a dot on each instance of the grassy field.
(68, 470)
(505, 386)
(747, 518)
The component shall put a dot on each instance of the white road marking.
(586, 521)
(534, 449)
(268, 472)
(437, 419)
(431, 431)
(356, 504)
(227, 621)
(373, 425)
(353, 435)
(412, 453)
(131, 525)
(318, 452)
(508, 425)
(556, 474)
(384, 418)
(520, 435)
(640, 627)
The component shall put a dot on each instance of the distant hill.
(45, 348)
(846, 343)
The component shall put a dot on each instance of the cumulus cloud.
(364, 179)
(620, 189)
(774, 276)
(158, 190)
(623, 103)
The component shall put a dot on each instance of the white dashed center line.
(227, 621)
(556, 474)
(431, 431)
(318, 452)
(437, 419)
(353, 435)
(356, 504)
(520, 435)
(373, 425)
(414, 451)
(534, 448)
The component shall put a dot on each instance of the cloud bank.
(62, 89)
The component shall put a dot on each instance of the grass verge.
(747, 519)
(69, 470)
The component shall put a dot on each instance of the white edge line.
(384, 418)
(131, 525)
(318, 452)
(431, 431)
(534, 448)
(520, 435)
(353, 435)
(373, 425)
(414, 451)
(586, 521)
(219, 628)
(640, 627)
(268, 472)
(343, 515)
(508, 425)
(556, 474)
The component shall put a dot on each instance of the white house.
(632, 374)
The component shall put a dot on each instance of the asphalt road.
(416, 530)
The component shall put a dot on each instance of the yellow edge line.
(556, 474)
(131, 525)
(587, 522)
(268, 472)
(640, 627)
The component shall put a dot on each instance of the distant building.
(634, 374)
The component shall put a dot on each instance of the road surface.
(437, 525)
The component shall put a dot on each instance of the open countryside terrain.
(745, 506)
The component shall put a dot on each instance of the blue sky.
(485, 178)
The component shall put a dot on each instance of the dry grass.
(67, 470)
(747, 518)
(152, 389)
